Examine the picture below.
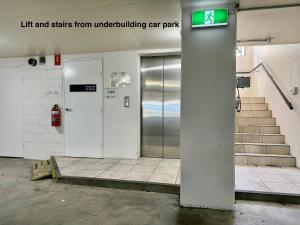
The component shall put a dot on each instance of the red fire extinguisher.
(55, 116)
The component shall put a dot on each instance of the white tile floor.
(247, 178)
(268, 179)
(144, 169)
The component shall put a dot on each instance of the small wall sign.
(83, 88)
(120, 79)
(110, 93)
(210, 18)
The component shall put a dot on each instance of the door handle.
(68, 110)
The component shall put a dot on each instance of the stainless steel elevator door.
(171, 108)
(152, 107)
(160, 90)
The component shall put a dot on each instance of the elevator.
(160, 106)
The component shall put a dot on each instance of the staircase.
(258, 139)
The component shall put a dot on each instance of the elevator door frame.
(163, 58)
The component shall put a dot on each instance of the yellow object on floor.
(42, 169)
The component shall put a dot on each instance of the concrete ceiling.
(264, 3)
(199, 3)
(16, 41)
(282, 24)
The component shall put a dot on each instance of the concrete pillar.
(207, 113)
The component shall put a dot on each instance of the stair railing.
(288, 103)
(238, 102)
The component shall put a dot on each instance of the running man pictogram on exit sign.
(210, 18)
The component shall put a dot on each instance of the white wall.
(122, 125)
(42, 87)
(245, 64)
(284, 62)
(11, 111)
(207, 113)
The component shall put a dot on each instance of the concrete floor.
(46, 202)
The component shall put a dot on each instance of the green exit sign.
(210, 18)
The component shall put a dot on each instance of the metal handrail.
(289, 104)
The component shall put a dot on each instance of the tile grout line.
(293, 182)
(103, 170)
(177, 175)
(269, 189)
(72, 163)
(154, 170)
(166, 173)
(128, 171)
(263, 182)
(141, 172)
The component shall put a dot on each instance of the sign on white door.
(83, 108)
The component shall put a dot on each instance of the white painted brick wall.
(41, 150)
(42, 87)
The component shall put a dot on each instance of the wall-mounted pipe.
(267, 40)
(267, 7)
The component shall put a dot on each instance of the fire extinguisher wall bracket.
(55, 116)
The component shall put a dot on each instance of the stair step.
(260, 138)
(259, 129)
(254, 113)
(265, 160)
(242, 121)
(254, 106)
(259, 148)
(253, 99)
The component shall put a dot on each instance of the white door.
(83, 108)
(11, 112)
